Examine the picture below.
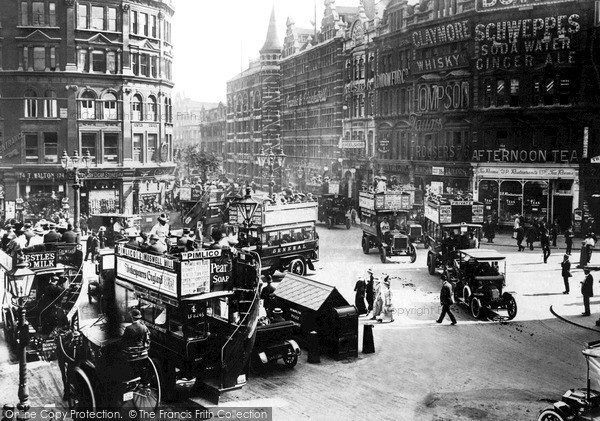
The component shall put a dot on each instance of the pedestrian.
(566, 272)
(589, 243)
(387, 313)
(370, 292)
(520, 237)
(554, 232)
(587, 289)
(102, 237)
(545, 243)
(446, 301)
(569, 240)
(378, 303)
(91, 246)
(531, 236)
(266, 295)
(489, 230)
(359, 298)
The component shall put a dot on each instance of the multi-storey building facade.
(253, 113)
(92, 77)
(213, 129)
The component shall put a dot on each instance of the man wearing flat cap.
(136, 337)
(52, 236)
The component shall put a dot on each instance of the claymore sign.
(490, 5)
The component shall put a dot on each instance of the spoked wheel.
(147, 393)
(476, 307)
(67, 345)
(348, 224)
(298, 267)
(431, 264)
(290, 360)
(81, 393)
(550, 414)
(511, 306)
(413, 253)
(383, 255)
(365, 245)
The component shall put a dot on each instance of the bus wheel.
(298, 267)
(365, 245)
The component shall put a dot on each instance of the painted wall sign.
(450, 61)
(397, 77)
(307, 98)
(427, 152)
(517, 155)
(441, 34)
(9, 143)
(41, 176)
(526, 42)
(425, 124)
(520, 172)
(451, 95)
(490, 5)
(383, 143)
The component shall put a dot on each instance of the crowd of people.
(16, 235)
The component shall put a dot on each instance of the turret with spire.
(271, 49)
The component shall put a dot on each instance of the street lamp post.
(20, 281)
(268, 159)
(73, 166)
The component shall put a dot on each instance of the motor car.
(479, 280)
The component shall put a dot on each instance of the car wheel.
(382, 255)
(81, 393)
(511, 306)
(476, 307)
(431, 263)
(298, 267)
(290, 360)
(550, 414)
(365, 245)
(413, 253)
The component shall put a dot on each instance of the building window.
(135, 59)
(537, 94)
(500, 93)
(53, 62)
(97, 18)
(487, 93)
(144, 64)
(88, 144)
(24, 13)
(111, 148)
(50, 148)
(50, 107)
(549, 91)
(82, 60)
(144, 23)
(134, 22)
(31, 109)
(153, 66)
(112, 19)
(52, 14)
(110, 107)
(31, 148)
(564, 91)
(98, 62)
(152, 151)
(87, 104)
(514, 92)
(39, 58)
(82, 16)
(136, 108)
(154, 34)
(37, 13)
(111, 62)
(137, 147)
(151, 114)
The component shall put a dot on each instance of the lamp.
(72, 166)
(247, 207)
(20, 279)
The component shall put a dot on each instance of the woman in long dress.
(359, 299)
(387, 314)
(378, 306)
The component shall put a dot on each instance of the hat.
(54, 279)
(586, 270)
(136, 314)
(370, 270)
(162, 217)
(101, 229)
(63, 225)
(154, 237)
(27, 225)
(131, 233)
(38, 231)
(566, 256)
(278, 311)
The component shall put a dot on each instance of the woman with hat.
(161, 228)
(387, 310)
(359, 299)
(38, 238)
(369, 291)
(378, 304)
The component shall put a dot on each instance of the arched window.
(136, 108)
(109, 101)
(256, 99)
(246, 101)
(31, 109)
(238, 104)
(87, 104)
(50, 108)
(151, 114)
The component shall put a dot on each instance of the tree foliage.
(192, 157)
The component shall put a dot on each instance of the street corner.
(571, 311)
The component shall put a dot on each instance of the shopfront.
(545, 193)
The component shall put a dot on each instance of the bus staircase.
(235, 353)
(197, 212)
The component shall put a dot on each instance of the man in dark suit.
(52, 236)
(587, 289)
(136, 337)
(370, 291)
(446, 302)
(69, 236)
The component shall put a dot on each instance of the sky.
(214, 39)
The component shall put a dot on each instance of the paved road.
(420, 370)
